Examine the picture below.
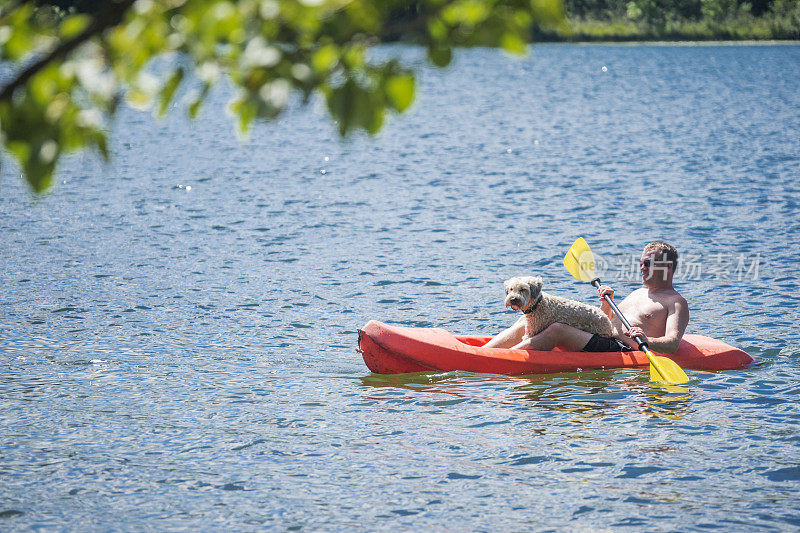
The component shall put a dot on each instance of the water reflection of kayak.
(394, 350)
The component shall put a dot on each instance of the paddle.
(580, 263)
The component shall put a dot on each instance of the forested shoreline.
(626, 20)
(676, 20)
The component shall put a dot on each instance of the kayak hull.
(395, 350)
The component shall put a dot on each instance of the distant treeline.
(679, 20)
(629, 20)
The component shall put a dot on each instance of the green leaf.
(437, 30)
(325, 59)
(467, 12)
(22, 38)
(73, 25)
(44, 85)
(168, 91)
(353, 57)
(101, 143)
(21, 150)
(338, 104)
(513, 43)
(194, 107)
(40, 164)
(138, 99)
(400, 91)
(355, 107)
(440, 55)
(247, 111)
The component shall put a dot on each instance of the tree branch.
(106, 19)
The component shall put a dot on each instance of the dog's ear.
(507, 285)
(535, 283)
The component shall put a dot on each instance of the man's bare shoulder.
(672, 297)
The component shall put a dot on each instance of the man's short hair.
(667, 251)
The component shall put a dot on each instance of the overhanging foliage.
(74, 68)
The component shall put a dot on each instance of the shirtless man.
(656, 312)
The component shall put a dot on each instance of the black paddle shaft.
(642, 344)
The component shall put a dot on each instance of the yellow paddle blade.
(580, 261)
(666, 370)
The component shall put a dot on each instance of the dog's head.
(522, 292)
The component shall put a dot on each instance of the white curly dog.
(540, 309)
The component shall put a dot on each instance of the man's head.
(658, 263)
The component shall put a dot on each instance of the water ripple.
(177, 347)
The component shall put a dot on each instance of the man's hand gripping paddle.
(580, 263)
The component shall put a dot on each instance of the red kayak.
(396, 350)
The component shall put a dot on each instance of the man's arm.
(677, 320)
(616, 323)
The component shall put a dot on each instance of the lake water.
(178, 328)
